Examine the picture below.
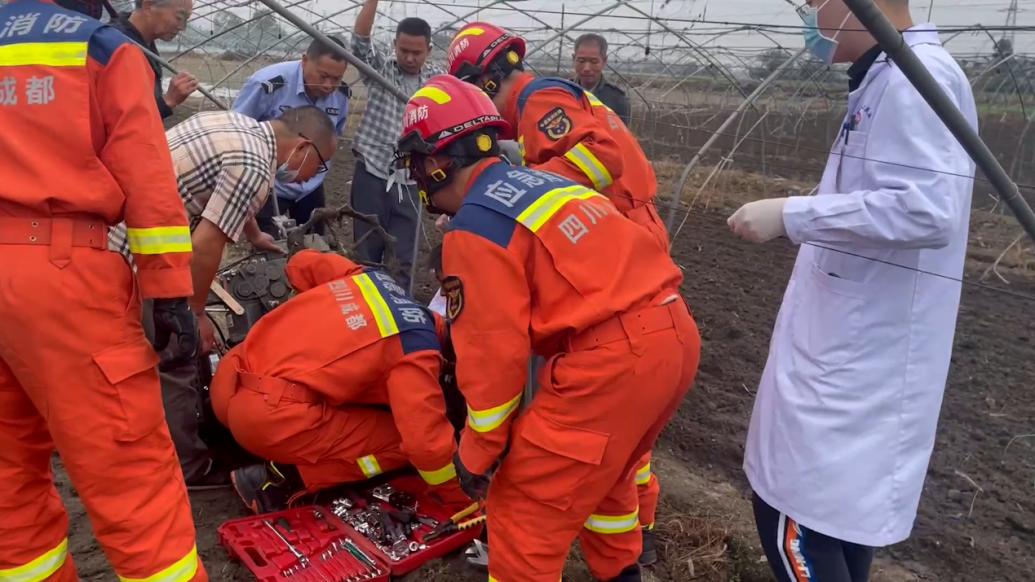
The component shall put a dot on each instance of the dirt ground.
(977, 516)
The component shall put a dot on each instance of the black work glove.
(174, 317)
(475, 486)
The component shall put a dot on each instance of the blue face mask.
(285, 175)
(820, 45)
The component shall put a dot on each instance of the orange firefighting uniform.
(83, 148)
(535, 262)
(565, 130)
(341, 381)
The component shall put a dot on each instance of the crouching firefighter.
(533, 261)
(353, 395)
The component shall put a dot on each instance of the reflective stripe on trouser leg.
(610, 538)
(613, 524)
(183, 570)
(369, 466)
(33, 522)
(643, 474)
(39, 568)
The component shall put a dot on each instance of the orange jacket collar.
(511, 112)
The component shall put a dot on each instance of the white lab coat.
(847, 407)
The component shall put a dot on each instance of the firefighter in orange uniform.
(563, 129)
(83, 148)
(533, 261)
(560, 127)
(355, 394)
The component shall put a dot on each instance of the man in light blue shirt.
(314, 80)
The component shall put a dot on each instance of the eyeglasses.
(323, 163)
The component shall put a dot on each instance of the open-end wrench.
(303, 560)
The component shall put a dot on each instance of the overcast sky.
(944, 12)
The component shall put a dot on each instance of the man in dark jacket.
(160, 19)
(589, 59)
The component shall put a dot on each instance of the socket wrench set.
(365, 535)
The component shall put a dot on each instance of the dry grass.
(693, 547)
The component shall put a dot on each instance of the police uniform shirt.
(614, 98)
(277, 88)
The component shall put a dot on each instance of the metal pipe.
(460, 19)
(678, 194)
(353, 60)
(902, 55)
(229, 30)
(263, 51)
(563, 32)
(416, 235)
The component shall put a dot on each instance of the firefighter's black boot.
(267, 487)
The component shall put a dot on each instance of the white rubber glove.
(759, 221)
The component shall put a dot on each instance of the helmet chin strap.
(466, 151)
(500, 68)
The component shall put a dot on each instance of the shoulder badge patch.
(453, 289)
(273, 85)
(555, 124)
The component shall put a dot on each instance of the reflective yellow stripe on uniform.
(540, 211)
(39, 569)
(492, 418)
(369, 466)
(596, 102)
(182, 571)
(643, 474)
(159, 240)
(382, 314)
(590, 166)
(438, 476)
(613, 524)
(521, 149)
(47, 54)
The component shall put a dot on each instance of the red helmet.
(481, 49)
(447, 116)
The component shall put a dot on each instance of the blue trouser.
(799, 554)
(397, 216)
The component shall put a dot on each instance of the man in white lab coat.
(847, 407)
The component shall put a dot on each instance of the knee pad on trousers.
(630, 574)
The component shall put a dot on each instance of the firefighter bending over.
(533, 261)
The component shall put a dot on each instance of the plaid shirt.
(382, 121)
(224, 167)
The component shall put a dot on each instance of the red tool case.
(314, 530)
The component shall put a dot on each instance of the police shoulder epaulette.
(272, 85)
(345, 90)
